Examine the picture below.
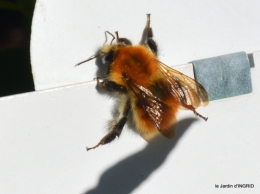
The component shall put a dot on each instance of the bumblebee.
(151, 90)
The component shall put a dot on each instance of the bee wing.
(152, 105)
(189, 91)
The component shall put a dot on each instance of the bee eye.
(109, 58)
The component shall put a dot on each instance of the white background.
(43, 134)
(65, 32)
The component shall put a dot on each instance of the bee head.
(108, 51)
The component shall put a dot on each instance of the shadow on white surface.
(251, 60)
(128, 174)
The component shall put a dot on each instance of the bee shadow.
(101, 67)
(101, 72)
(128, 174)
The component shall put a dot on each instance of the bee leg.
(110, 85)
(124, 41)
(190, 107)
(117, 128)
(116, 131)
(150, 41)
(197, 114)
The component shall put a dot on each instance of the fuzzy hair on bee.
(150, 90)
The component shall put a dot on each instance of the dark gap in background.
(15, 29)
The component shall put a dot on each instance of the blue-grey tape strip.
(224, 76)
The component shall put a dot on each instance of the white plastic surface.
(44, 134)
(43, 137)
(67, 32)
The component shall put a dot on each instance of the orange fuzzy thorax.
(140, 65)
(137, 62)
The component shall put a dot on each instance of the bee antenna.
(89, 59)
(113, 37)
